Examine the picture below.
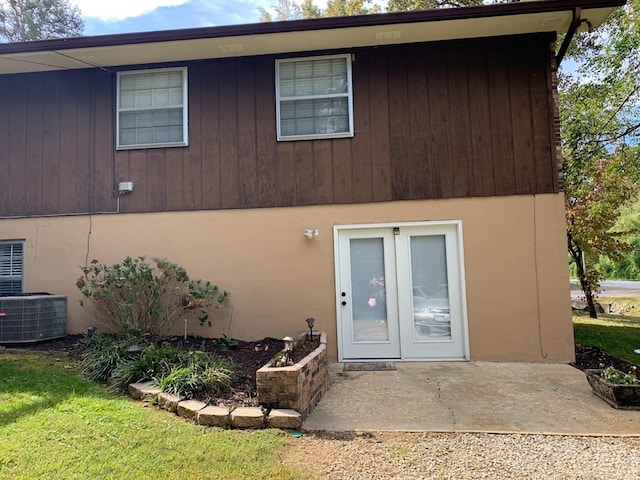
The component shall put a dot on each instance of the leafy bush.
(149, 298)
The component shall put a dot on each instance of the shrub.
(101, 355)
(137, 295)
(108, 358)
(153, 361)
(198, 375)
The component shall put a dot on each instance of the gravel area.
(412, 456)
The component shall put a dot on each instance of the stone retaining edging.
(210, 415)
(290, 393)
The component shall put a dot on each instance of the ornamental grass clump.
(101, 355)
(200, 374)
(188, 373)
(153, 361)
(147, 297)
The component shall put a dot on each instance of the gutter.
(575, 23)
(376, 20)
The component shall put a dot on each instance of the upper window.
(314, 97)
(11, 267)
(152, 108)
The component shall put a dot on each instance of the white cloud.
(114, 10)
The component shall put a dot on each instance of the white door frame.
(384, 348)
(460, 278)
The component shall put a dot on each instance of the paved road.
(612, 288)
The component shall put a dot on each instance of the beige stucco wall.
(514, 257)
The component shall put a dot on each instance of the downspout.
(575, 23)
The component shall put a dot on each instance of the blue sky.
(121, 16)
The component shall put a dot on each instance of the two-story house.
(395, 176)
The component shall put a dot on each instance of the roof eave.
(320, 34)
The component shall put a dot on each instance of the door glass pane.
(368, 294)
(430, 296)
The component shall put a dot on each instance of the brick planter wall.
(298, 387)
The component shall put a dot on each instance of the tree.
(284, 10)
(343, 8)
(291, 10)
(592, 210)
(599, 110)
(22, 20)
(629, 267)
(409, 5)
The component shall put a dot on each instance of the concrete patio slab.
(468, 397)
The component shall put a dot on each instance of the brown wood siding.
(440, 120)
(56, 143)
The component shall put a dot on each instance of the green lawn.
(615, 335)
(55, 424)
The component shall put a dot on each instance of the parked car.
(431, 314)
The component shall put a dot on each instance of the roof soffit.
(370, 30)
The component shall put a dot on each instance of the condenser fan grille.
(30, 318)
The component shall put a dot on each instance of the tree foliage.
(22, 20)
(410, 5)
(592, 210)
(626, 267)
(292, 10)
(600, 116)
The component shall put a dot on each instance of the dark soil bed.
(247, 356)
(594, 358)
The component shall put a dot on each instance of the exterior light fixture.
(288, 348)
(310, 323)
(91, 330)
(311, 232)
(125, 187)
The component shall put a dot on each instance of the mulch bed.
(247, 356)
(594, 358)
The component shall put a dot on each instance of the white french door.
(399, 291)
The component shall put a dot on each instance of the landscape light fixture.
(288, 348)
(134, 349)
(91, 330)
(310, 323)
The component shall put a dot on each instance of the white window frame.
(184, 106)
(20, 276)
(349, 96)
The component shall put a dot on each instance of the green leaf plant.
(136, 295)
